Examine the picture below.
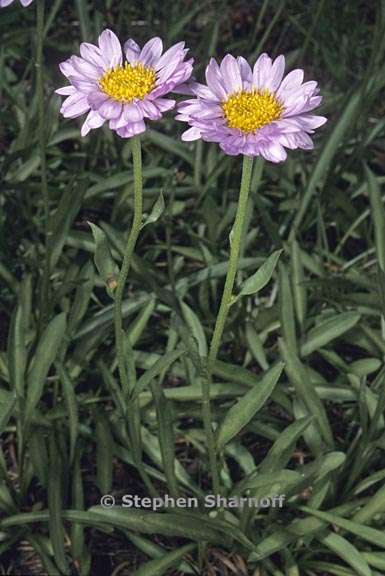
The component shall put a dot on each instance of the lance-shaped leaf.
(17, 351)
(173, 525)
(163, 363)
(45, 355)
(156, 211)
(7, 404)
(160, 566)
(305, 390)
(329, 330)
(104, 262)
(261, 277)
(347, 552)
(245, 409)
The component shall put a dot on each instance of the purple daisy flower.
(252, 112)
(25, 3)
(123, 93)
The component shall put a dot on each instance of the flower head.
(25, 3)
(122, 92)
(253, 112)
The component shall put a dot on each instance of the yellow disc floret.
(127, 82)
(250, 110)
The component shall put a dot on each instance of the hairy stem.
(134, 423)
(224, 308)
(129, 251)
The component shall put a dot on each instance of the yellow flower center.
(129, 81)
(250, 110)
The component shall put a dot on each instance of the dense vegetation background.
(320, 437)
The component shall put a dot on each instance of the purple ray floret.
(255, 112)
(123, 87)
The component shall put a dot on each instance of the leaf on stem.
(104, 262)
(156, 211)
(261, 277)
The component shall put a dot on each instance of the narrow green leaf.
(375, 559)
(329, 330)
(266, 485)
(137, 327)
(156, 211)
(378, 216)
(196, 328)
(82, 296)
(160, 566)
(113, 388)
(169, 524)
(152, 449)
(62, 219)
(104, 454)
(77, 530)
(306, 391)
(102, 321)
(262, 276)
(71, 406)
(286, 308)
(104, 262)
(311, 435)
(369, 481)
(9, 278)
(235, 373)
(38, 453)
(374, 506)
(55, 522)
(376, 537)
(347, 552)
(162, 364)
(280, 538)
(46, 352)
(17, 352)
(282, 449)
(7, 405)
(166, 435)
(365, 366)
(245, 409)
(298, 283)
(255, 345)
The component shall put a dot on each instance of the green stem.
(224, 308)
(45, 291)
(129, 251)
(134, 429)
